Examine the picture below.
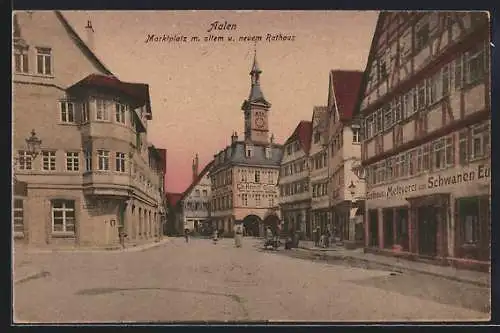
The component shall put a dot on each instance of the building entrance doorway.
(251, 224)
(373, 228)
(427, 231)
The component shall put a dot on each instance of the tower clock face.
(259, 122)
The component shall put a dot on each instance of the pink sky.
(197, 88)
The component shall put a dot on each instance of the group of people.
(321, 239)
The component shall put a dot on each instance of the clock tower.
(256, 109)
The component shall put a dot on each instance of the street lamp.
(33, 144)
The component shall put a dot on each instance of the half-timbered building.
(425, 105)
(295, 199)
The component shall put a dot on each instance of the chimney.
(90, 35)
(195, 168)
(234, 137)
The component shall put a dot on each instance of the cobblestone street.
(200, 281)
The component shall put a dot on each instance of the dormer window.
(248, 151)
(268, 153)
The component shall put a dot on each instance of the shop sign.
(254, 187)
(481, 172)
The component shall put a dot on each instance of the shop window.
(469, 216)
(373, 228)
(388, 227)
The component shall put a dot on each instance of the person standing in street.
(186, 234)
(238, 234)
(215, 236)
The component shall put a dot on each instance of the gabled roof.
(173, 198)
(303, 133)
(86, 50)
(319, 115)
(344, 86)
(197, 180)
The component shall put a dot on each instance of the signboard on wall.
(424, 184)
(255, 187)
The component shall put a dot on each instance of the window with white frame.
(268, 153)
(458, 75)
(438, 154)
(270, 179)
(480, 141)
(63, 216)
(243, 175)
(120, 162)
(44, 60)
(355, 135)
(422, 34)
(67, 111)
(18, 216)
(257, 200)
(389, 170)
(463, 147)
(25, 160)
(426, 158)
(408, 103)
(370, 126)
(379, 121)
(88, 159)
(449, 151)
(103, 160)
(48, 160)
(85, 112)
(72, 161)
(388, 117)
(101, 110)
(120, 113)
(475, 65)
(21, 64)
(446, 80)
(411, 163)
(244, 199)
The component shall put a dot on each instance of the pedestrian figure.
(238, 235)
(327, 238)
(186, 234)
(316, 237)
(215, 236)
